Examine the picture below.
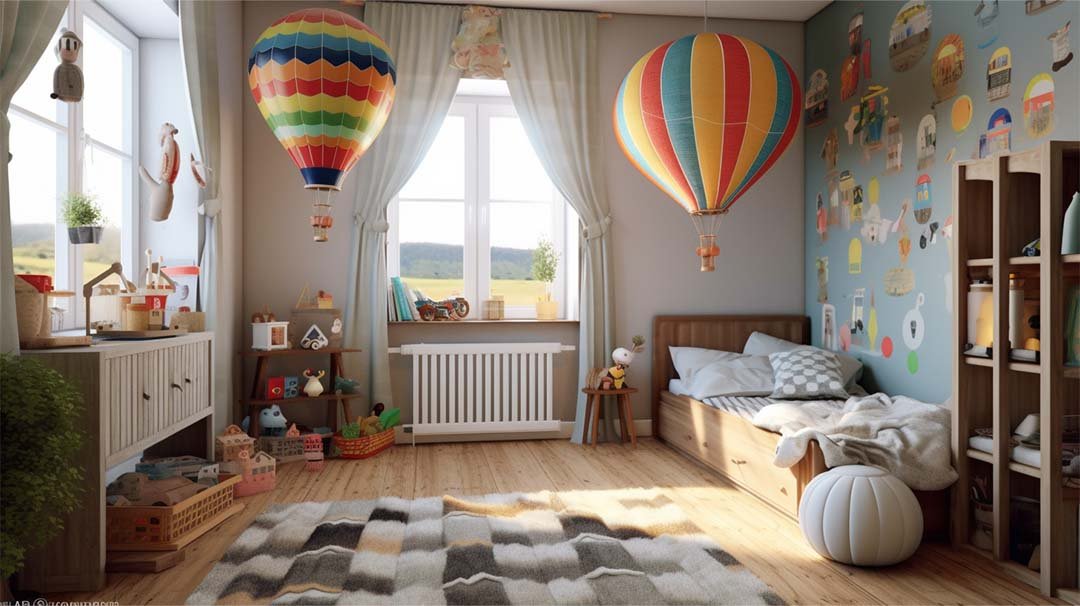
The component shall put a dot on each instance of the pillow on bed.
(807, 374)
(761, 344)
(689, 360)
(739, 376)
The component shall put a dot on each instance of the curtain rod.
(600, 16)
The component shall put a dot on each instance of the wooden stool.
(594, 401)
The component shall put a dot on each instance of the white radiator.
(469, 388)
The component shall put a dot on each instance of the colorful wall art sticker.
(899, 281)
(829, 337)
(962, 110)
(886, 347)
(1039, 106)
(986, 14)
(947, 67)
(873, 107)
(923, 204)
(874, 229)
(909, 36)
(998, 137)
(854, 256)
(830, 149)
(857, 204)
(847, 198)
(949, 156)
(858, 323)
(817, 98)
(999, 74)
(871, 325)
(913, 362)
(822, 219)
(845, 337)
(1060, 49)
(866, 59)
(894, 145)
(849, 70)
(926, 141)
(822, 279)
(873, 190)
(913, 329)
(1032, 7)
(834, 198)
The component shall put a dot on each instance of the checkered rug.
(582, 547)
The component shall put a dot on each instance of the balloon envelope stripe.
(652, 112)
(707, 93)
(308, 55)
(324, 39)
(678, 114)
(631, 149)
(759, 115)
(736, 105)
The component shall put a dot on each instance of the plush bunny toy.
(68, 78)
(161, 192)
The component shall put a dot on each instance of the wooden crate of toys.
(142, 525)
(258, 474)
(285, 449)
(368, 436)
(229, 445)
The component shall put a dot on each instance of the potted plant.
(84, 218)
(40, 441)
(544, 263)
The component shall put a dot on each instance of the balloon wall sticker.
(909, 36)
(687, 117)
(854, 255)
(1039, 106)
(817, 98)
(894, 145)
(847, 198)
(999, 74)
(986, 14)
(899, 281)
(849, 70)
(926, 141)
(822, 264)
(324, 82)
(1060, 48)
(998, 135)
(913, 329)
(829, 332)
(962, 110)
(947, 67)
(821, 219)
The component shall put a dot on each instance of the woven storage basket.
(363, 447)
(494, 309)
(168, 528)
(284, 449)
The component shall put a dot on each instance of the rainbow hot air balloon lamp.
(324, 82)
(704, 117)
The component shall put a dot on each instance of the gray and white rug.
(582, 547)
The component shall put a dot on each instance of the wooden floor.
(769, 544)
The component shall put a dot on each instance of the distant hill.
(29, 233)
(428, 260)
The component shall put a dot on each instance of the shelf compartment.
(980, 262)
(1023, 260)
(979, 455)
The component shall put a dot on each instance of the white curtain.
(552, 80)
(25, 30)
(419, 36)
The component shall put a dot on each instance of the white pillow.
(688, 360)
(761, 344)
(740, 376)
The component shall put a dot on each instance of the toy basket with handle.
(169, 528)
(364, 446)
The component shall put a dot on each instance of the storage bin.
(168, 528)
(365, 446)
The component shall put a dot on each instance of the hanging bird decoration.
(324, 82)
(704, 117)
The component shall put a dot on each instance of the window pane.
(516, 230)
(108, 178)
(441, 176)
(432, 245)
(516, 173)
(107, 99)
(33, 94)
(38, 171)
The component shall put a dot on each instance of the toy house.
(258, 473)
(229, 446)
(313, 452)
(285, 449)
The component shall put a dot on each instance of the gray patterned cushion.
(807, 374)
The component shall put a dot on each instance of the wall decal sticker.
(1039, 106)
(909, 36)
(875, 230)
(899, 281)
(829, 150)
(962, 110)
(822, 279)
(1032, 7)
(858, 324)
(923, 204)
(986, 14)
(914, 327)
(854, 255)
(829, 337)
(998, 137)
(886, 347)
(926, 141)
(873, 108)
(947, 67)
(999, 74)
(913, 362)
(845, 337)
(873, 190)
(857, 204)
(834, 199)
(817, 98)
(852, 124)
(894, 145)
(822, 219)
(1060, 49)
(849, 71)
(847, 198)
(949, 156)
(871, 325)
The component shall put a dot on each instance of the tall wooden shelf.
(1000, 204)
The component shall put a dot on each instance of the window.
(479, 204)
(68, 147)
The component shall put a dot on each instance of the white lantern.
(861, 515)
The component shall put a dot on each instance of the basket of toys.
(368, 436)
(170, 527)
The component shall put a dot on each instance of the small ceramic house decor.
(258, 474)
(228, 447)
(288, 448)
(313, 452)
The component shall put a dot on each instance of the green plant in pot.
(545, 261)
(40, 441)
(84, 218)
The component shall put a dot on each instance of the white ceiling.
(771, 10)
(146, 18)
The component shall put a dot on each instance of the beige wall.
(759, 270)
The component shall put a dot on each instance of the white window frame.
(476, 270)
(68, 257)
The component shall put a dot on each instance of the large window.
(469, 220)
(86, 147)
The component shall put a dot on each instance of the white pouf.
(861, 515)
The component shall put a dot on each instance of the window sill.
(485, 322)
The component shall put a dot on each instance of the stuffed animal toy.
(615, 377)
(313, 388)
(161, 192)
(68, 78)
(272, 421)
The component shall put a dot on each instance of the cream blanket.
(910, 439)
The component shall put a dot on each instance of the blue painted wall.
(922, 372)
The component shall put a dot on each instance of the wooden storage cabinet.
(153, 397)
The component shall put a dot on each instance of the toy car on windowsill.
(456, 308)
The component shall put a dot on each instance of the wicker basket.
(284, 449)
(363, 447)
(168, 528)
(494, 308)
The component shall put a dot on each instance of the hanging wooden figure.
(68, 77)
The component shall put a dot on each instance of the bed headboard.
(727, 333)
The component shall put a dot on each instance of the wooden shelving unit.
(1000, 204)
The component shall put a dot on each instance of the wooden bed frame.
(729, 444)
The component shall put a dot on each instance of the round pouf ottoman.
(861, 515)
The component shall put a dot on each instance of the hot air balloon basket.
(708, 250)
(321, 222)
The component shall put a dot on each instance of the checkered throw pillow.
(807, 374)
